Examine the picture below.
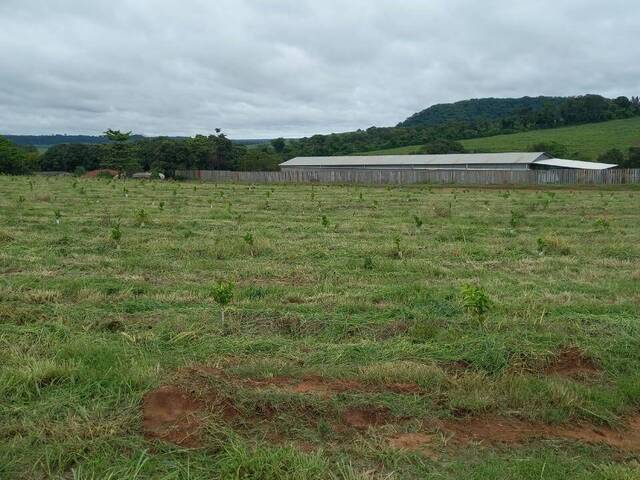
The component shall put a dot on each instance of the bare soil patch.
(571, 362)
(363, 418)
(514, 431)
(414, 442)
(172, 415)
(309, 384)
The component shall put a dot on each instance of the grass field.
(373, 333)
(584, 142)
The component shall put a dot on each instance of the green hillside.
(481, 108)
(585, 142)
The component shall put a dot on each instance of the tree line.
(127, 153)
(162, 154)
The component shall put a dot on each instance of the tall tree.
(119, 154)
(13, 159)
(278, 144)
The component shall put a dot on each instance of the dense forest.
(437, 128)
(479, 108)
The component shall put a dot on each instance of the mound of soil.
(172, 415)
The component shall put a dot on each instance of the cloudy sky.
(264, 68)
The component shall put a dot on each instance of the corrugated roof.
(561, 162)
(446, 159)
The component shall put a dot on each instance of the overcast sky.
(261, 68)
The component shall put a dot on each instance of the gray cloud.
(260, 68)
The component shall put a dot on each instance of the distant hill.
(478, 109)
(584, 142)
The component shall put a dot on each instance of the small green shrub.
(325, 221)
(368, 263)
(475, 300)
(141, 218)
(248, 239)
(418, 221)
(516, 218)
(398, 251)
(116, 233)
(602, 224)
(222, 294)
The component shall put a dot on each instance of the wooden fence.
(406, 177)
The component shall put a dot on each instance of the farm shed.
(458, 161)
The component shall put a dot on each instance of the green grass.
(584, 142)
(90, 322)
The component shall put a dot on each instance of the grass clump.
(552, 244)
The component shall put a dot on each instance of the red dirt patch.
(363, 418)
(414, 442)
(404, 388)
(513, 431)
(171, 415)
(174, 415)
(95, 173)
(571, 362)
(310, 384)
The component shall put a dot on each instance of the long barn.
(458, 161)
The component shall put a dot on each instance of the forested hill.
(479, 109)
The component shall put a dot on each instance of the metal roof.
(446, 159)
(560, 162)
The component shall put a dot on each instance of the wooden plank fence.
(407, 177)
